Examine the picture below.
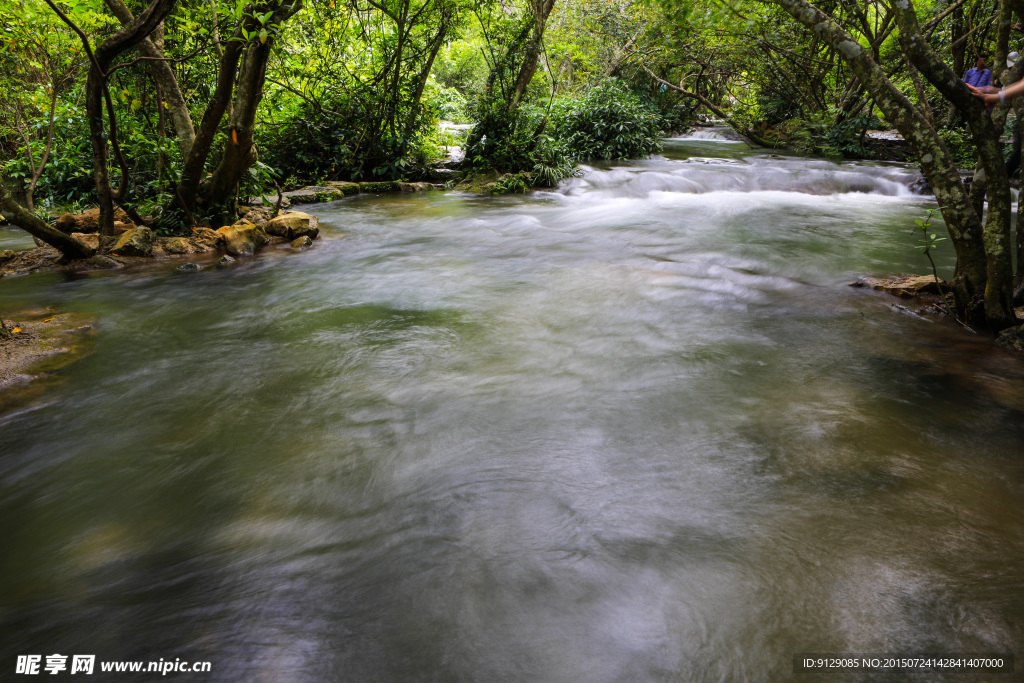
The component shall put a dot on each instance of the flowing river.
(635, 429)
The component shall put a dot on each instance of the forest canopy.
(174, 110)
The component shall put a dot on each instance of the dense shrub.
(607, 121)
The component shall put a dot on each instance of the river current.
(637, 428)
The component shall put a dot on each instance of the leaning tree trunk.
(68, 246)
(170, 93)
(97, 104)
(999, 312)
(245, 61)
(962, 220)
(541, 11)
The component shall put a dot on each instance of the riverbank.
(41, 342)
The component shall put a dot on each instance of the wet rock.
(225, 260)
(905, 286)
(190, 267)
(300, 243)
(7, 255)
(137, 242)
(415, 187)
(177, 245)
(91, 240)
(443, 175)
(292, 225)
(921, 186)
(1012, 338)
(244, 239)
(206, 237)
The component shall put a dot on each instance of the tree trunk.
(962, 221)
(999, 312)
(68, 246)
(541, 11)
(163, 74)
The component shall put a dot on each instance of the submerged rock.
(137, 242)
(303, 242)
(190, 267)
(292, 225)
(225, 260)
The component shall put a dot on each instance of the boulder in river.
(292, 225)
(205, 237)
(244, 239)
(300, 243)
(137, 242)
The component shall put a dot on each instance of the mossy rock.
(347, 188)
(380, 186)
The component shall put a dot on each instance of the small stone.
(300, 243)
(137, 242)
(225, 260)
(190, 267)
(8, 254)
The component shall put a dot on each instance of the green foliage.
(607, 121)
(961, 147)
(819, 134)
(928, 241)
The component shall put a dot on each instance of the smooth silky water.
(636, 429)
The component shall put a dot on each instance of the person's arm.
(1005, 95)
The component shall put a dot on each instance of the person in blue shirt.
(979, 76)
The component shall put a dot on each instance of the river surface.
(636, 429)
